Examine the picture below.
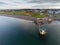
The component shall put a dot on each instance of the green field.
(24, 13)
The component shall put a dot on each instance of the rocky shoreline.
(19, 16)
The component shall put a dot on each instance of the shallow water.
(15, 31)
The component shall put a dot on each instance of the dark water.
(22, 32)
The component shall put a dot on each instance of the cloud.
(47, 6)
(2, 3)
(43, 1)
(21, 4)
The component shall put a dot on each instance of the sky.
(32, 4)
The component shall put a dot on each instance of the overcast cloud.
(34, 4)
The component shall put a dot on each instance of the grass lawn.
(24, 13)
